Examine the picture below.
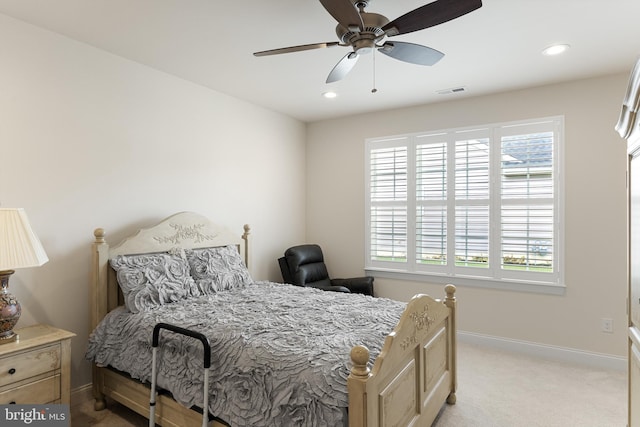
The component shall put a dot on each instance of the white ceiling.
(210, 42)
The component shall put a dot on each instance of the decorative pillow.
(218, 269)
(151, 280)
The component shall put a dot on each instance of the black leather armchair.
(304, 265)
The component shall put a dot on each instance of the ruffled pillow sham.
(151, 280)
(217, 269)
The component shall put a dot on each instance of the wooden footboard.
(415, 372)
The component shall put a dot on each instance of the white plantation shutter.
(431, 235)
(527, 205)
(479, 203)
(471, 194)
(472, 169)
(472, 236)
(388, 212)
(431, 202)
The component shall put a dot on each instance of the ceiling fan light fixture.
(555, 49)
(329, 95)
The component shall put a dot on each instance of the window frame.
(498, 278)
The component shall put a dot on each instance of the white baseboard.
(81, 394)
(563, 354)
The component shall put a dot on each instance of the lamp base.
(12, 337)
(10, 310)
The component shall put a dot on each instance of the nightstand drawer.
(20, 366)
(46, 390)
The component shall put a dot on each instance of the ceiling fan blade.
(343, 67)
(411, 52)
(295, 48)
(430, 15)
(345, 13)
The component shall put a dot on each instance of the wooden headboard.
(186, 230)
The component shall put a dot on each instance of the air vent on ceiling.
(452, 90)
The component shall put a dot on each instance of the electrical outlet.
(607, 325)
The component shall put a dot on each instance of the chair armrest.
(284, 269)
(359, 285)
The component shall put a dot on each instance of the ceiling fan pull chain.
(374, 90)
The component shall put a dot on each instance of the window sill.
(473, 282)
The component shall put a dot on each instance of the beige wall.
(594, 222)
(89, 140)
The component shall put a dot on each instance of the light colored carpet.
(495, 389)
(503, 389)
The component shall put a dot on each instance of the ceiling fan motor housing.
(364, 41)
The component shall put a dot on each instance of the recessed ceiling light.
(329, 94)
(555, 49)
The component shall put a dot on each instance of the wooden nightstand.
(36, 369)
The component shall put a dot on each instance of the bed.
(386, 363)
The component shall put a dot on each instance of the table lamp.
(19, 248)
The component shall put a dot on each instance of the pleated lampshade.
(19, 245)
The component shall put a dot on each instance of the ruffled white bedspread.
(279, 353)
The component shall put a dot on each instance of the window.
(481, 205)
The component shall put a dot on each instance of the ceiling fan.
(364, 32)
